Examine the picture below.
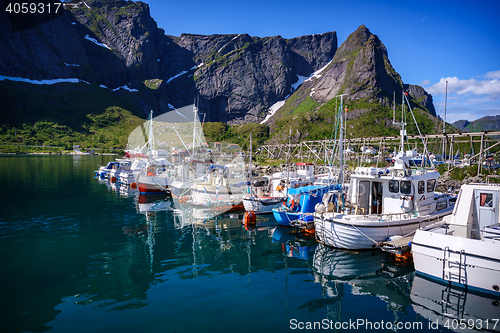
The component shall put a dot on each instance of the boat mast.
(444, 120)
(250, 162)
(403, 126)
(195, 110)
(288, 162)
(341, 140)
(151, 142)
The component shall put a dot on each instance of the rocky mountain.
(115, 49)
(460, 124)
(116, 43)
(488, 123)
(362, 72)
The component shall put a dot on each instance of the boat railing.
(491, 232)
(439, 227)
(379, 217)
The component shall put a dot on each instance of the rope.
(363, 234)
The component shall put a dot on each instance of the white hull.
(152, 184)
(480, 260)
(260, 205)
(179, 189)
(208, 195)
(356, 232)
(127, 178)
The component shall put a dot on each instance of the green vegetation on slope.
(239, 134)
(65, 114)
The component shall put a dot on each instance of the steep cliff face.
(421, 97)
(235, 78)
(239, 77)
(44, 52)
(360, 69)
(362, 72)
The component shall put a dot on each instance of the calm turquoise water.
(78, 255)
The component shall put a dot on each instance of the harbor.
(91, 254)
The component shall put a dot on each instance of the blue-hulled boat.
(300, 203)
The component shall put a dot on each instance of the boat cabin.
(391, 191)
(476, 214)
(305, 169)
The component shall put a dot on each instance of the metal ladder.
(454, 271)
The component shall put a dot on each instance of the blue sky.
(428, 42)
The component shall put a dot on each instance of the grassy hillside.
(309, 121)
(65, 114)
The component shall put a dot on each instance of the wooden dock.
(316, 150)
(398, 246)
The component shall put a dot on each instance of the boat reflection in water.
(294, 244)
(345, 274)
(457, 309)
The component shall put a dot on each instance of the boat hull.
(355, 232)
(152, 185)
(261, 205)
(439, 256)
(285, 218)
(209, 195)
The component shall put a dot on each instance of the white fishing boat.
(111, 169)
(186, 175)
(155, 178)
(464, 249)
(222, 186)
(382, 203)
(273, 190)
(129, 174)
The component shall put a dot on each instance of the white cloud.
(424, 83)
(469, 86)
(492, 75)
(468, 99)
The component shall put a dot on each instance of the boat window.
(431, 183)
(421, 187)
(441, 205)
(393, 186)
(405, 187)
(486, 199)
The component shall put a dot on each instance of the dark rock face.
(38, 53)
(233, 78)
(239, 77)
(360, 69)
(423, 98)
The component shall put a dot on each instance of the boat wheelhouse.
(464, 249)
